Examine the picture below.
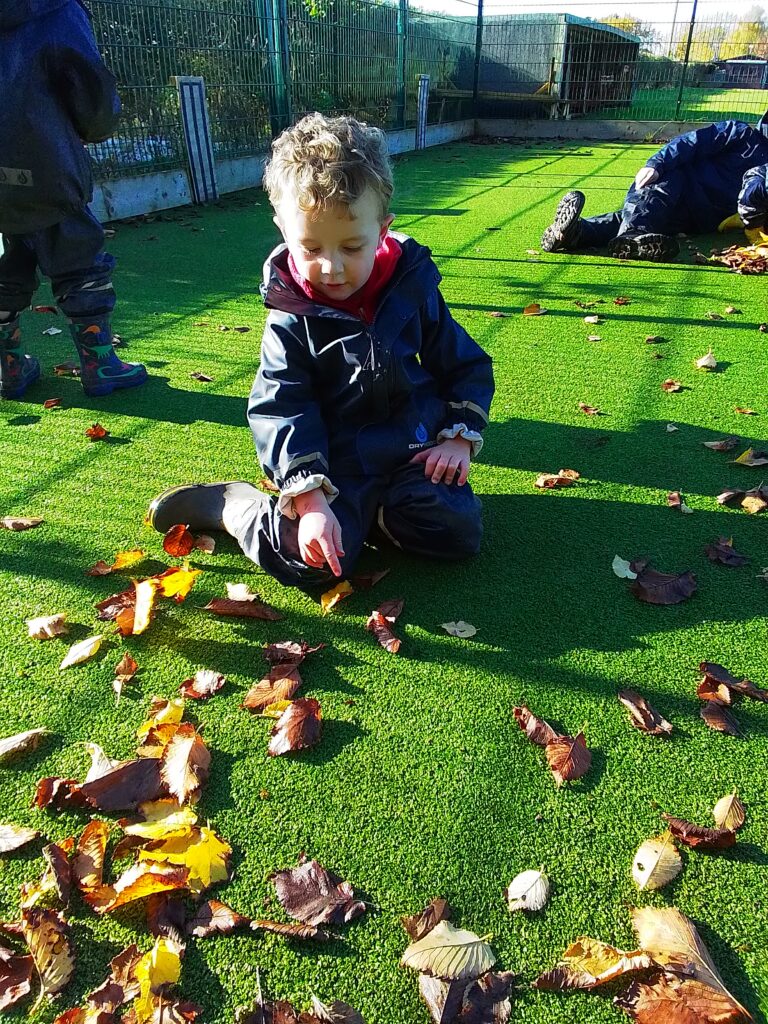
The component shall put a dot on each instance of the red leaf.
(655, 587)
(111, 606)
(671, 385)
(298, 728)
(15, 977)
(720, 718)
(701, 838)
(178, 541)
(215, 918)
(667, 998)
(419, 925)
(281, 683)
(289, 652)
(536, 729)
(643, 716)
(379, 626)
(568, 758)
(621, 300)
(314, 896)
(126, 786)
(52, 403)
(62, 794)
(243, 609)
(96, 432)
(743, 686)
(590, 410)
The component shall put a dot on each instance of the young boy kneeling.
(370, 399)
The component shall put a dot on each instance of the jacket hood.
(762, 124)
(16, 12)
(280, 291)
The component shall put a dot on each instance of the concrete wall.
(583, 128)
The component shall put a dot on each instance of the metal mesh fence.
(266, 62)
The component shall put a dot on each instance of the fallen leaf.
(671, 428)
(68, 369)
(663, 588)
(298, 728)
(653, 339)
(672, 941)
(729, 813)
(125, 670)
(18, 523)
(203, 684)
(593, 319)
(197, 375)
(288, 931)
(732, 309)
(720, 718)
(656, 863)
(205, 543)
(332, 597)
(590, 410)
(52, 331)
(143, 610)
(155, 972)
(281, 683)
(622, 568)
(643, 716)
(45, 309)
(449, 953)
(167, 916)
(744, 411)
(288, 652)
(675, 500)
(178, 541)
(536, 729)
(276, 710)
(707, 362)
(125, 787)
(698, 836)
(670, 384)
(15, 977)
(123, 559)
(241, 330)
(379, 625)
(460, 629)
(63, 794)
(88, 861)
(199, 849)
(722, 551)
(47, 936)
(96, 432)
(594, 337)
(161, 712)
(710, 315)
(671, 997)
(13, 837)
(215, 918)
(534, 309)
(47, 626)
(588, 304)
(185, 763)
(138, 882)
(568, 758)
(114, 605)
(52, 403)
(100, 764)
(621, 300)
(81, 652)
(528, 891)
(250, 609)
(752, 457)
(726, 444)
(589, 963)
(563, 478)
(160, 819)
(176, 582)
(366, 580)
(498, 314)
(311, 894)
(419, 925)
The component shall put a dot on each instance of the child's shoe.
(652, 247)
(202, 506)
(101, 371)
(563, 232)
(17, 370)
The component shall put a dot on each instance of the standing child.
(56, 95)
(370, 399)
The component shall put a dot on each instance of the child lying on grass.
(370, 400)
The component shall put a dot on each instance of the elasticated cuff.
(462, 430)
(301, 484)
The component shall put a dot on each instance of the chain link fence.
(266, 62)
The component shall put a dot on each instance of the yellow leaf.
(158, 968)
(141, 880)
(332, 597)
(146, 595)
(46, 934)
(161, 712)
(162, 819)
(200, 850)
(588, 963)
(185, 763)
(729, 812)
(125, 558)
(177, 582)
(276, 709)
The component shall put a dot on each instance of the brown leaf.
(444, 999)
(88, 862)
(123, 789)
(298, 728)
(52, 403)
(120, 986)
(59, 868)
(68, 369)
(643, 716)
(722, 552)
(215, 918)
(534, 309)
(568, 758)
(498, 314)
(197, 375)
(621, 300)
(701, 838)
(366, 580)
(281, 683)
(590, 410)
(111, 607)
(720, 718)
(178, 541)
(744, 411)
(710, 689)
(289, 931)
(312, 895)
(62, 794)
(675, 500)
(125, 669)
(563, 478)
(167, 916)
(655, 587)
(379, 623)
(653, 339)
(47, 936)
(243, 609)
(18, 523)
(15, 977)
(185, 763)
(536, 729)
(96, 432)
(13, 837)
(290, 652)
(486, 1000)
(13, 747)
(392, 609)
(419, 925)
(726, 444)
(671, 385)
(204, 684)
(667, 997)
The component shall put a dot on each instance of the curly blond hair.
(323, 161)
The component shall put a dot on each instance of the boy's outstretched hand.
(319, 531)
(446, 461)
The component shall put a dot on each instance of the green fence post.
(274, 14)
(478, 55)
(402, 62)
(685, 61)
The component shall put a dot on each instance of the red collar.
(364, 301)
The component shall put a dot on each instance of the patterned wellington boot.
(17, 370)
(653, 247)
(563, 233)
(100, 369)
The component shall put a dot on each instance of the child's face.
(335, 248)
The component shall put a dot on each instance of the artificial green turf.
(696, 104)
(422, 785)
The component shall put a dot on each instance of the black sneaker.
(199, 506)
(650, 247)
(563, 232)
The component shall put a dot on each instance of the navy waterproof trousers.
(440, 521)
(657, 209)
(71, 254)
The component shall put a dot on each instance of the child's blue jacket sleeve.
(462, 370)
(753, 198)
(699, 145)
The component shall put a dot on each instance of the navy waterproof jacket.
(335, 396)
(713, 161)
(55, 94)
(753, 200)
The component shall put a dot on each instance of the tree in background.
(750, 36)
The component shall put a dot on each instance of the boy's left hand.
(446, 461)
